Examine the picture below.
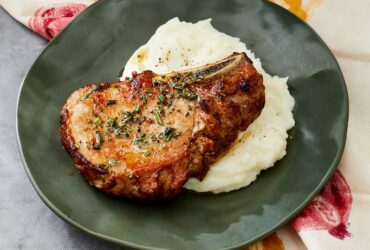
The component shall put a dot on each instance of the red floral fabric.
(49, 21)
(329, 210)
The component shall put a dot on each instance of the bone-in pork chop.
(144, 137)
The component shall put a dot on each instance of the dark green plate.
(96, 46)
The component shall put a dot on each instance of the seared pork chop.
(144, 137)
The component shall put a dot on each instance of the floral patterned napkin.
(338, 216)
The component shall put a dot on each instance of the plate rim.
(331, 169)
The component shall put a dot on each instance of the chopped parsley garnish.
(173, 85)
(112, 162)
(112, 122)
(153, 138)
(156, 82)
(147, 153)
(129, 117)
(97, 87)
(118, 132)
(97, 120)
(160, 98)
(139, 137)
(182, 92)
(111, 102)
(158, 117)
(168, 134)
(190, 96)
(161, 108)
(144, 99)
(123, 130)
(162, 90)
(98, 140)
(193, 96)
(136, 109)
(141, 120)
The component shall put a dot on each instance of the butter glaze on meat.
(143, 138)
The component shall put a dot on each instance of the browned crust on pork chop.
(144, 137)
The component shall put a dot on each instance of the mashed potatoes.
(180, 45)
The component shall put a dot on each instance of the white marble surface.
(25, 221)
